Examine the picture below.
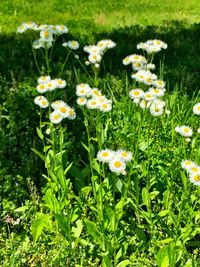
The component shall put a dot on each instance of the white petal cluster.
(116, 159)
(97, 51)
(61, 111)
(45, 83)
(74, 45)
(193, 170)
(47, 33)
(196, 109)
(152, 46)
(41, 101)
(92, 98)
(184, 130)
(144, 76)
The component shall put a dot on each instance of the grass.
(94, 16)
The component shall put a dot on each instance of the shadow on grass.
(181, 59)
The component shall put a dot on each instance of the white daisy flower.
(94, 58)
(148, 96)
(151, 66)
(22, 28)
(30, 25)
(124, 155)
(195, 178)
(74, 45)
(117, 165)
(187, 140)
(60, 83)
(61, 29)
(127, 60)
(57, 103)
(55, 117)
(156, 111)
(159, 84)
(93, 103)
(105, 155)
(177, 129)
(102, 45)
(72, 114)
(110, 44)
(83, 89)
(198, 130)
(41, 88)
(37, 44)
(194, 169)
(144, 104)
(81, 101)
(41, 101)
(196, 109)
(158, 92)
(92, 49)
(158, 103)
(46, 35)
(63, 109)
(185, 131)
(105, 106)
(136, 93)
(44, 79)
(95, 92)
(51, 85)
(187, 164)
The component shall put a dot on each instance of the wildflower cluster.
(61, 109)
(47, 33)
(193, 170)
(152, 46)
(150, 87)
(97, 51)
(116, 159)
(92, 98)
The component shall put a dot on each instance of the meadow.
(100, 133)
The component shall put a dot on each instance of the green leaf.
(163, 213)
(77, 230)
(92, 230)
(40, 134)
(39, 154)
(62, 221)
(21, 209)
(145, 196)
(86, 147)
(41, 221)
(107, 262)
(96, 166)
(123, 263)
(68, 168)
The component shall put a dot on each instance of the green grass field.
(90, 16)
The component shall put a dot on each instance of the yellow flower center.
(186, 130)
(148, 80)
(82, 99)
(156, 109)
(198, 108)
(56, 116)
(136, 57)
(136, 93)
(197, 178)
(43, 78)
(93, 103)
(42, 86)
(188, 162)
(46, 34)
(156, 91)
(141, 77)
(117, 164)
(160, 82)
(105, 154)
(60, 82)
(63, 109)
(104, 105)
(124, 154)
(44, 102)
(194, 169)
(71, 112)
(94, 57)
